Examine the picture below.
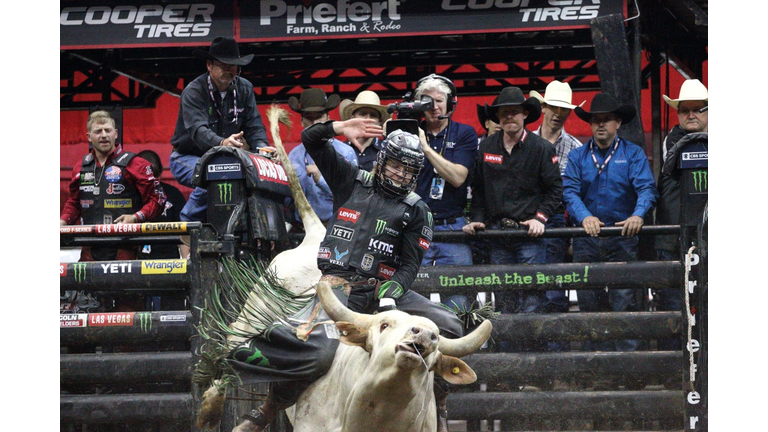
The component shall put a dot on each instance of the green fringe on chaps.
(251, 295)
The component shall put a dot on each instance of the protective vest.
(365, 234)
(105, 194)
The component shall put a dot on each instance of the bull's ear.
(454, 370)
(352, 334)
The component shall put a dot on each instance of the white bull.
(382, 375)
(386, 385)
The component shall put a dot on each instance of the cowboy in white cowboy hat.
(692, 99)
(556, 106)
(366, 105)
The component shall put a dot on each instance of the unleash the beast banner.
(111, 24)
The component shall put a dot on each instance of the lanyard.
(234, 94)
(605, 162)
(446, 143)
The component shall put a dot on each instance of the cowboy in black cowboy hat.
(608, 182)
(605, 104)
(313, 105)
(223, 61)
(512, 97)
(218, 108)
(490, 126)
(604, 109)
(517, 185)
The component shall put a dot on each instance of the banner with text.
(104, 24)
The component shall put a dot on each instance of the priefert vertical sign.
(694, 187)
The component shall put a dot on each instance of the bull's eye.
(383, 326)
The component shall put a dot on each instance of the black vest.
(105, 194)
(365, 234)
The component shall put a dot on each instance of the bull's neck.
(375, 401)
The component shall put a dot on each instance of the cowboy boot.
(258, 419)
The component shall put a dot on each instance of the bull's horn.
(337, 311)
(467, 344)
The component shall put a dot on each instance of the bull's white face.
(410, 342)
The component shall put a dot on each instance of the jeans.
(556, 300)
(519, 251)
(440, 254)
(183, 168)
(607, 249)
(669, 299)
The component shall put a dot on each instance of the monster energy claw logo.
(145, 321)
(700, 180)
(429, 218)
(80, 271)
(225, 192)
(380, 225)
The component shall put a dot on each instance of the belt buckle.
(507, 223)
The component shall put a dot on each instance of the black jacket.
(522, 185)
(669, 205)
(203, 123)
(369, 234)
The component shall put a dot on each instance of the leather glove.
(390, 289)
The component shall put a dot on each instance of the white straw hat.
(364, 99)
(557, 94)
(691, 90)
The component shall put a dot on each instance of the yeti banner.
(110, 24)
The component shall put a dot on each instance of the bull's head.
(411, 341)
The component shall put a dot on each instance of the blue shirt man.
(608, 182)
(314, 105)
(313, 184)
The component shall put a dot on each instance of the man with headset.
(218, 108)
(449, 149)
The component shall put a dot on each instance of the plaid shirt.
(564, 144)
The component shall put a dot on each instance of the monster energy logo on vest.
(225, 192)
(80, 271)
(699, 180)
(380, 225)
(145, 321)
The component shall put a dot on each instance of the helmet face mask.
(399, 164)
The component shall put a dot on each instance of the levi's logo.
(492, 158)
(423, 243)
(348, 215)
(386, 271)
(555, 160)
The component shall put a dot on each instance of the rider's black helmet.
(398, 164)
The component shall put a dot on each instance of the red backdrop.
(152, 128)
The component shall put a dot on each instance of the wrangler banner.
(112, 24)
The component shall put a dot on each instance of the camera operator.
(450, 148)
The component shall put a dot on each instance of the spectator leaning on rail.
(693, 98)
(556, 107)
(376, 238)
(366, 105)
(516, 184)
(314, 105)
(450, 148)
(608, 182)
(110, 186)
(218, 108)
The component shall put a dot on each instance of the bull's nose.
(423, 334)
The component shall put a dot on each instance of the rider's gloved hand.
(390, 289)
